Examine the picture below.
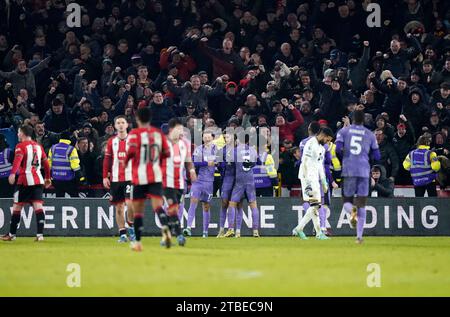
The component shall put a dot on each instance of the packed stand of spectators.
(255, 62)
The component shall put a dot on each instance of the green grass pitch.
(283, 266)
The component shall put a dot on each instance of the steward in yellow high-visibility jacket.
(65, 168)
(265, 175)
(336, 166)
(423, 165)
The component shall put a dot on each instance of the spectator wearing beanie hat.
(381, 122)
(108, 131)
(416, 111)
(81, 54)
(136, 61)
(88, 131)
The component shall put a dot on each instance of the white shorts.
(314, 187)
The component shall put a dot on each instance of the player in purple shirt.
(244, 186)
(227, 172)
(355, 144)
(204, 158)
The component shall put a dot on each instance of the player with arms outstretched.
(147, 148)
(117, 177)
(355, 144)
(29, 157)
(313, 179)
(174, 168)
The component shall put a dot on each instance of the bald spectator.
(285, 55)
(397, 58)
(226, 62)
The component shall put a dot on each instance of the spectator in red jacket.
(185, 64)
(287, 129)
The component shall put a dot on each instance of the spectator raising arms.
(282, 64)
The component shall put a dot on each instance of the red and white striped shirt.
(29, 157)
(147, 148)
(114, 161)
(173, 166)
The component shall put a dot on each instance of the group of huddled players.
(148, 164)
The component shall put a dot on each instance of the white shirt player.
(311, 172)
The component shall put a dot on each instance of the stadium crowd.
(260, 63)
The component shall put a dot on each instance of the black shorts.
(141, 192)
(173, 196)
(28, 194)
(120, 191)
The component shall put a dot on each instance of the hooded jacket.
(384, 186)
(394, 98)
(416, 113)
